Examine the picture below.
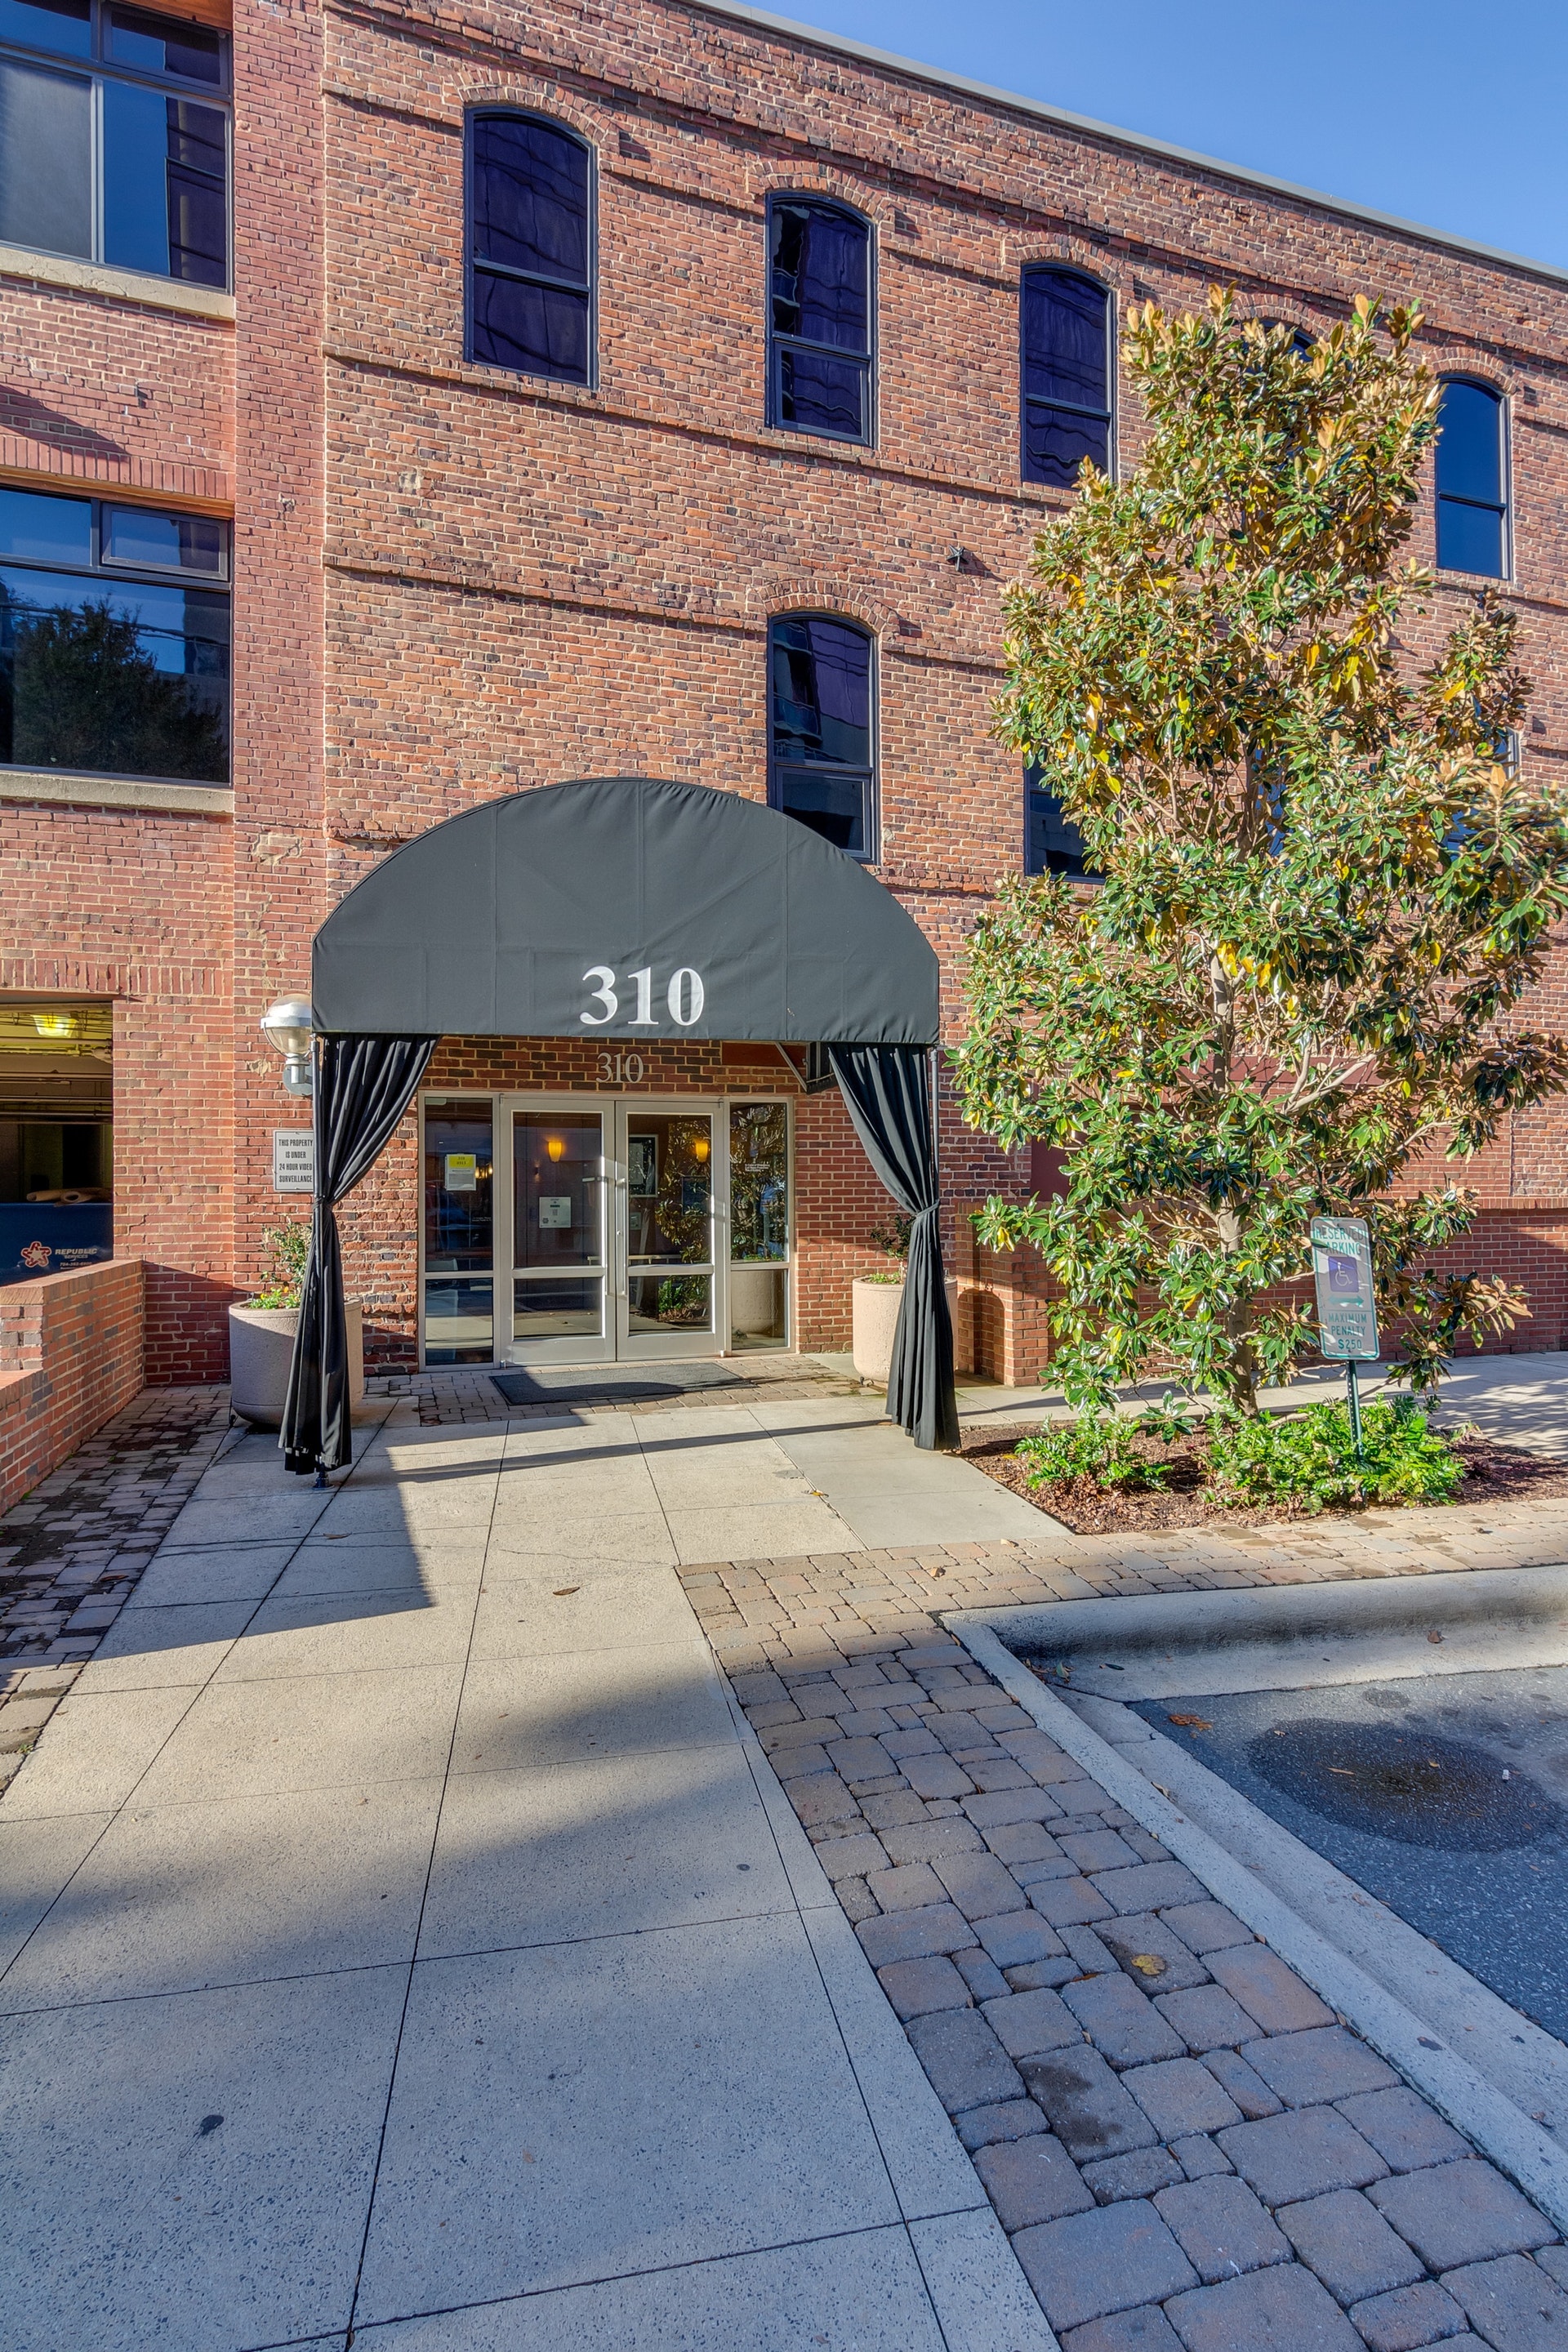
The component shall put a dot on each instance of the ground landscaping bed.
(1493, 1474)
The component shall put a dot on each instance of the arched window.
(822, 765)
(1472, 479)
(1052, 842)
(819, 318)
(1066, 370)
(530, 248)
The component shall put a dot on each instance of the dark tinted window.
(819, 319)
(1052, 842)
(530, 248)
(1066, 375)
(822, 767)
(1472, 498)
(158, 45)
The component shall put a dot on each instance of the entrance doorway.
(573, 1229)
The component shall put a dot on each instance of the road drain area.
(1444, 1796)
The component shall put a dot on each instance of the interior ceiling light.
(556, 1146)
(58, 1024)
(701, 1148)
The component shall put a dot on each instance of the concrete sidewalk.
(406, 1938)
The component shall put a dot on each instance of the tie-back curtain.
(364, 1086)
(887, 1093)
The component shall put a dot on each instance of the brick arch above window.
(1036, 249)
(770, 178)
(769, 593)
(509, 94)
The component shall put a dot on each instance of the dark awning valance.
(624, 907)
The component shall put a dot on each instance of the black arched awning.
(625, 907)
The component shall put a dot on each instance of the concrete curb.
(1473, 2106)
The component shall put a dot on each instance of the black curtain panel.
(889, 1094)
(364, 1086)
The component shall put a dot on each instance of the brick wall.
(70, 1358)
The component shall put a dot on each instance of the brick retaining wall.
(71, 1356)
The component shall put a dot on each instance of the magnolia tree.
(1325, 890)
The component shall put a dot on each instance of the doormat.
(583, 1384)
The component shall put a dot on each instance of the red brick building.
(411, 405)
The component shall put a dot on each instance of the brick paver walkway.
(1185, 2147)
(824, 1607)
(75, 1547)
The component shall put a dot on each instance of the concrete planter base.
(260, 1344)
(874, 1312)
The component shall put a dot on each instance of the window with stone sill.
(114, 138)
(114, 639)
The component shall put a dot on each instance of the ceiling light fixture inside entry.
(556, 1146)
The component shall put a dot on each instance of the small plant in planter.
(290, 1249)
(261, 1332)
(875, 1300)
(893, 1241)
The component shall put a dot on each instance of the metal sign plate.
(1347, 1309)
(294, 1159)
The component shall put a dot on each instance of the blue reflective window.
(1065, 368)
(530, 248)
(137, 177)
(165, 202)
(102, 671)
(822, 764)
(819, 319)
(1472, 480)
(1052, 842)
(63, 27)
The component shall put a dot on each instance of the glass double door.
(614, 1231)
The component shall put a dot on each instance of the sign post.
(1347, 1308)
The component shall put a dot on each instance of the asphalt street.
(1446, 1796)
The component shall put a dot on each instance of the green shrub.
(289, 1247)
(1170, 1422)
(1310, 1458)
(1098, 1448)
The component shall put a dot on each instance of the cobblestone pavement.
(831, 1605)
(1186, 2148)
(74, 1548)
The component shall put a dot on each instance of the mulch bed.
(1493, 1474)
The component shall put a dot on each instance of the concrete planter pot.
(260, 1344)
(874, 1311)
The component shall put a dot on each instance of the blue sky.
(1445, 111)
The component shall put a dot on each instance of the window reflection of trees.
(80, 689)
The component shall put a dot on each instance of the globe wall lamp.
(289, 1026)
